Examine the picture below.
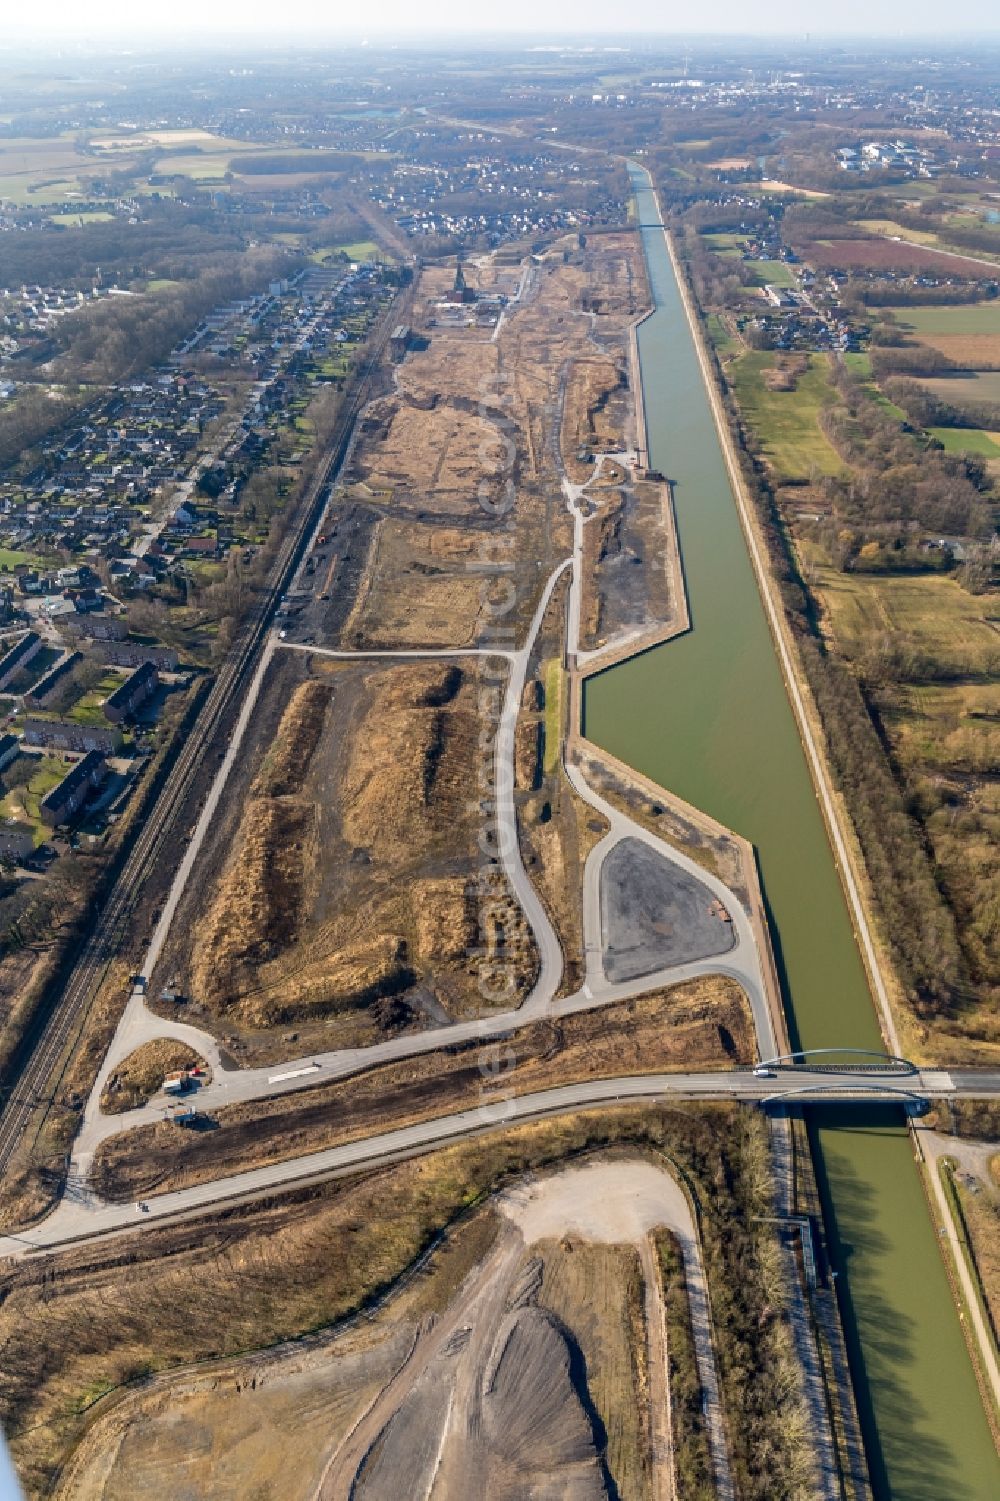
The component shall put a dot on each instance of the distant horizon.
(387, 21)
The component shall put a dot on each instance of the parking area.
(654, 915)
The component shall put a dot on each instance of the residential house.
(10, 748)
(69, 796)
(18, 657)
(67, 734)
(38, 696)
(136, 689)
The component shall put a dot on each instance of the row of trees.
(32, 415)
(895, 477)
(925, 409)
(117, 337)
(171, 241)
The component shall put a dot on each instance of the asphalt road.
(85, 1215)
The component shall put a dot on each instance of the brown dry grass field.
(265, 1422)
(465, 443)
(702, 1024)
(342, 893)
(943, 731)
(886, 254)
(418, 589)
(969, 351)
(594, 416)
(981, 1209)
(443, 451)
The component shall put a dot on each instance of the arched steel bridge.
(887, 1063)
(866, 1094)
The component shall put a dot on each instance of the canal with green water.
(708, 717)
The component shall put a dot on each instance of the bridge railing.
(873, 1094)
(887, 1063)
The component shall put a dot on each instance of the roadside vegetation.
(700, 1024)
(692, 1456)
(140, 1076)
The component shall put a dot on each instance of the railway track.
(46, 1051)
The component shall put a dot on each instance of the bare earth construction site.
(415, 891)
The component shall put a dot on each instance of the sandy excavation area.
(521, 1356)
(466, 441)
(543, 1358)
(607, 1202)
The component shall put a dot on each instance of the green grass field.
(969, 318)
(773, 274)
(724, 244)
(553, 714)
(207, 167)
(889, 227)
(49, 169)
(333, 366)
(720, 336)
(359, 250)
(786, 423)
(22, 802)
(932, 611)
(96, 216)
(860, 363)
(89, 709)
(967, 440)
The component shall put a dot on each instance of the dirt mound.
(534, 1420)
(351, 877)
(445, 920)
(351, 971)
(393, 800)
(508, 962)
(284, 770)
(256, 910)
(786, 372)
(139, 1076)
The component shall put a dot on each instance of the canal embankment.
(799, 694)
(712, 717)
(844, 844)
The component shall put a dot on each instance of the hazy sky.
(123, 19)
